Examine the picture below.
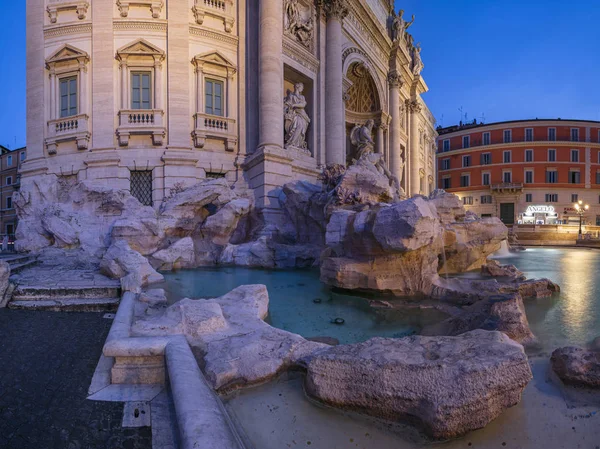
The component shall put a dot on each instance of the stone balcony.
(214, 127)
(141, 122)
(221, 9)
(75, 128)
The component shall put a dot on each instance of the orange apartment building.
(10, 164)
(523, 171)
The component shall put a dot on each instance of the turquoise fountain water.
(300, 303)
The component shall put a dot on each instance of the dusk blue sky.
(507, 59)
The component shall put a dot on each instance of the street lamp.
(580, 208)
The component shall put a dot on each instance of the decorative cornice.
(142, 25)
(336, 9)
(214, 35)
(63, 30)
(299, 54)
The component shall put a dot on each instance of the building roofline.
(463, 127)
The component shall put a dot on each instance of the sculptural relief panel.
(299, 18)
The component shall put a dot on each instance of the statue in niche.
(361, 138)
(296, 120)
(418, 65)
(399, 26)
(296, 25)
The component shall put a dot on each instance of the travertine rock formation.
(63, 213)
(578, 367)
(494, 269)
(399, 248)
(234, 345)
(448, 385)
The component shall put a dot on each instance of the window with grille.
(466, 161)
(141, 186)
(466, 141)
(507, 136)
(140, 90)
(485, 179)
(214, 97)
(507, 177)
(465, 181)
(486, 199)
(446, 183)
(574, 197)
(529, 134)
(528, 198)
(528, 155)
(446, 145)
(528, 177)
(551, 197)
(551, 134)
(575, 134)
(445, 164)
(214, 175)
(486, 158)
(68, 96)
(468, 200)
(574, 177)
(486, 138)
(551, 155)
(551, 176)
(507, 157)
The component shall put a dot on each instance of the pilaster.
(103, 57)
(178, 57)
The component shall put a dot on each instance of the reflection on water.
(300, 303)
(573, 317)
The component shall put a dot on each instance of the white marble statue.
(296, 120)
(296, 25)
(418, 65)
(361, 137)
(399, 26)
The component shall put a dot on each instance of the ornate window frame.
(67, 62)
(141, 56)
(156, 6)
(55, 6)
(214, 65)
(221, 9)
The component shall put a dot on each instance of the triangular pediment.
(66, 53)
(215, 57)
(140, 47)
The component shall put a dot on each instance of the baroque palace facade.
(524, 171)
(151, 95)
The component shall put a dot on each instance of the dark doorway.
(507, 213)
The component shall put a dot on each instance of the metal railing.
(476, 143)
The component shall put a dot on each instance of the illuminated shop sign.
(543, 209)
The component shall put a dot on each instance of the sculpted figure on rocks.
(296, 119)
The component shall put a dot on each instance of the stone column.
(158, 83)
(53, 96)
(124, 85)
(335, 112)
(270, 64)
(379, 140)
(414, 108)
(83, 91)
(395, 162)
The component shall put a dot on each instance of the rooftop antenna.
(442, 121)
(461, 113)
(482, 118)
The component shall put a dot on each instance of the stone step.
(68, 305)
(18, 258)
(16, 267)
(38, 292)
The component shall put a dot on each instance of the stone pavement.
(47, 360)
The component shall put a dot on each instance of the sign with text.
(542, 209)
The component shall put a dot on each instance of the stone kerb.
(202, 420)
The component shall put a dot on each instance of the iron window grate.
(141, 186)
